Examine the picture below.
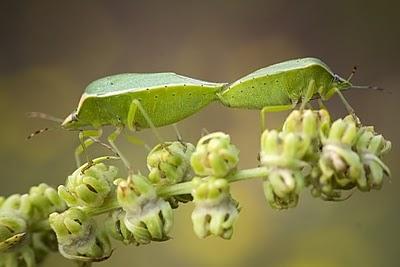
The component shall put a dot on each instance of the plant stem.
(182, 188)
(186, 188)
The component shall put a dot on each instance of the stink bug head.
(71, 122)
(341, 83)
(337, 84)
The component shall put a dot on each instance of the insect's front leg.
(86, 138)
(111, 139)
(348, 107)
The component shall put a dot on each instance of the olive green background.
(50, 50)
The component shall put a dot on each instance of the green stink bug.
(281, 86)
(138, 101)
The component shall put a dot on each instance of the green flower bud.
(341, 167)
(19, 204)
(282, 188)
(147, 216)
(215, 211)
(14, 216)
(45, 200)
(12, 230)
(169, 163)
(117, 229)
(89, 189)
(215, 156)
(78, 236)
(309, 123)
(371, 147)
(342, 131)
(279, 149)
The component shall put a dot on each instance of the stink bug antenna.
(353, 71)
(41, 131)
(372, 87)
(369, 87)
(44, 116)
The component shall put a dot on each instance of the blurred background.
(50, 50)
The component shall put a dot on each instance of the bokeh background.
(50, 50)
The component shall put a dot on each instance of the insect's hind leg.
(86, 138)
(279, 108)
(135, 105)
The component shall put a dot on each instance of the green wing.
(285, 66)
(128, 82)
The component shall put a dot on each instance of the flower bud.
(45, 200)
(19, 204)
(89, 189)
(14, 215)
(309, 123)
(215, 156)
(78, 236)
(215, 211)
(12, 230)
(342, 131)
(371, 147)
(116, 227)
(282, 188)
(147, 216)
(169, 163)
(340, 166)
(279, 149)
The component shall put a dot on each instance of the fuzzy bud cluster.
(89, 188)
(169, 163)
(145, 215)
(25, 238)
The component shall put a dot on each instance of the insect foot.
(283, 155)
(147, 216)
(169, 163)
(78, 236)
(215, 156)
(91, 188)
(215, 210)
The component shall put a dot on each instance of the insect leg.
(111, 139)
(348, 107)
(311, 89)
(178, 133)
(136, 141)
(86, 139)
(135, 105)
(264, 111)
